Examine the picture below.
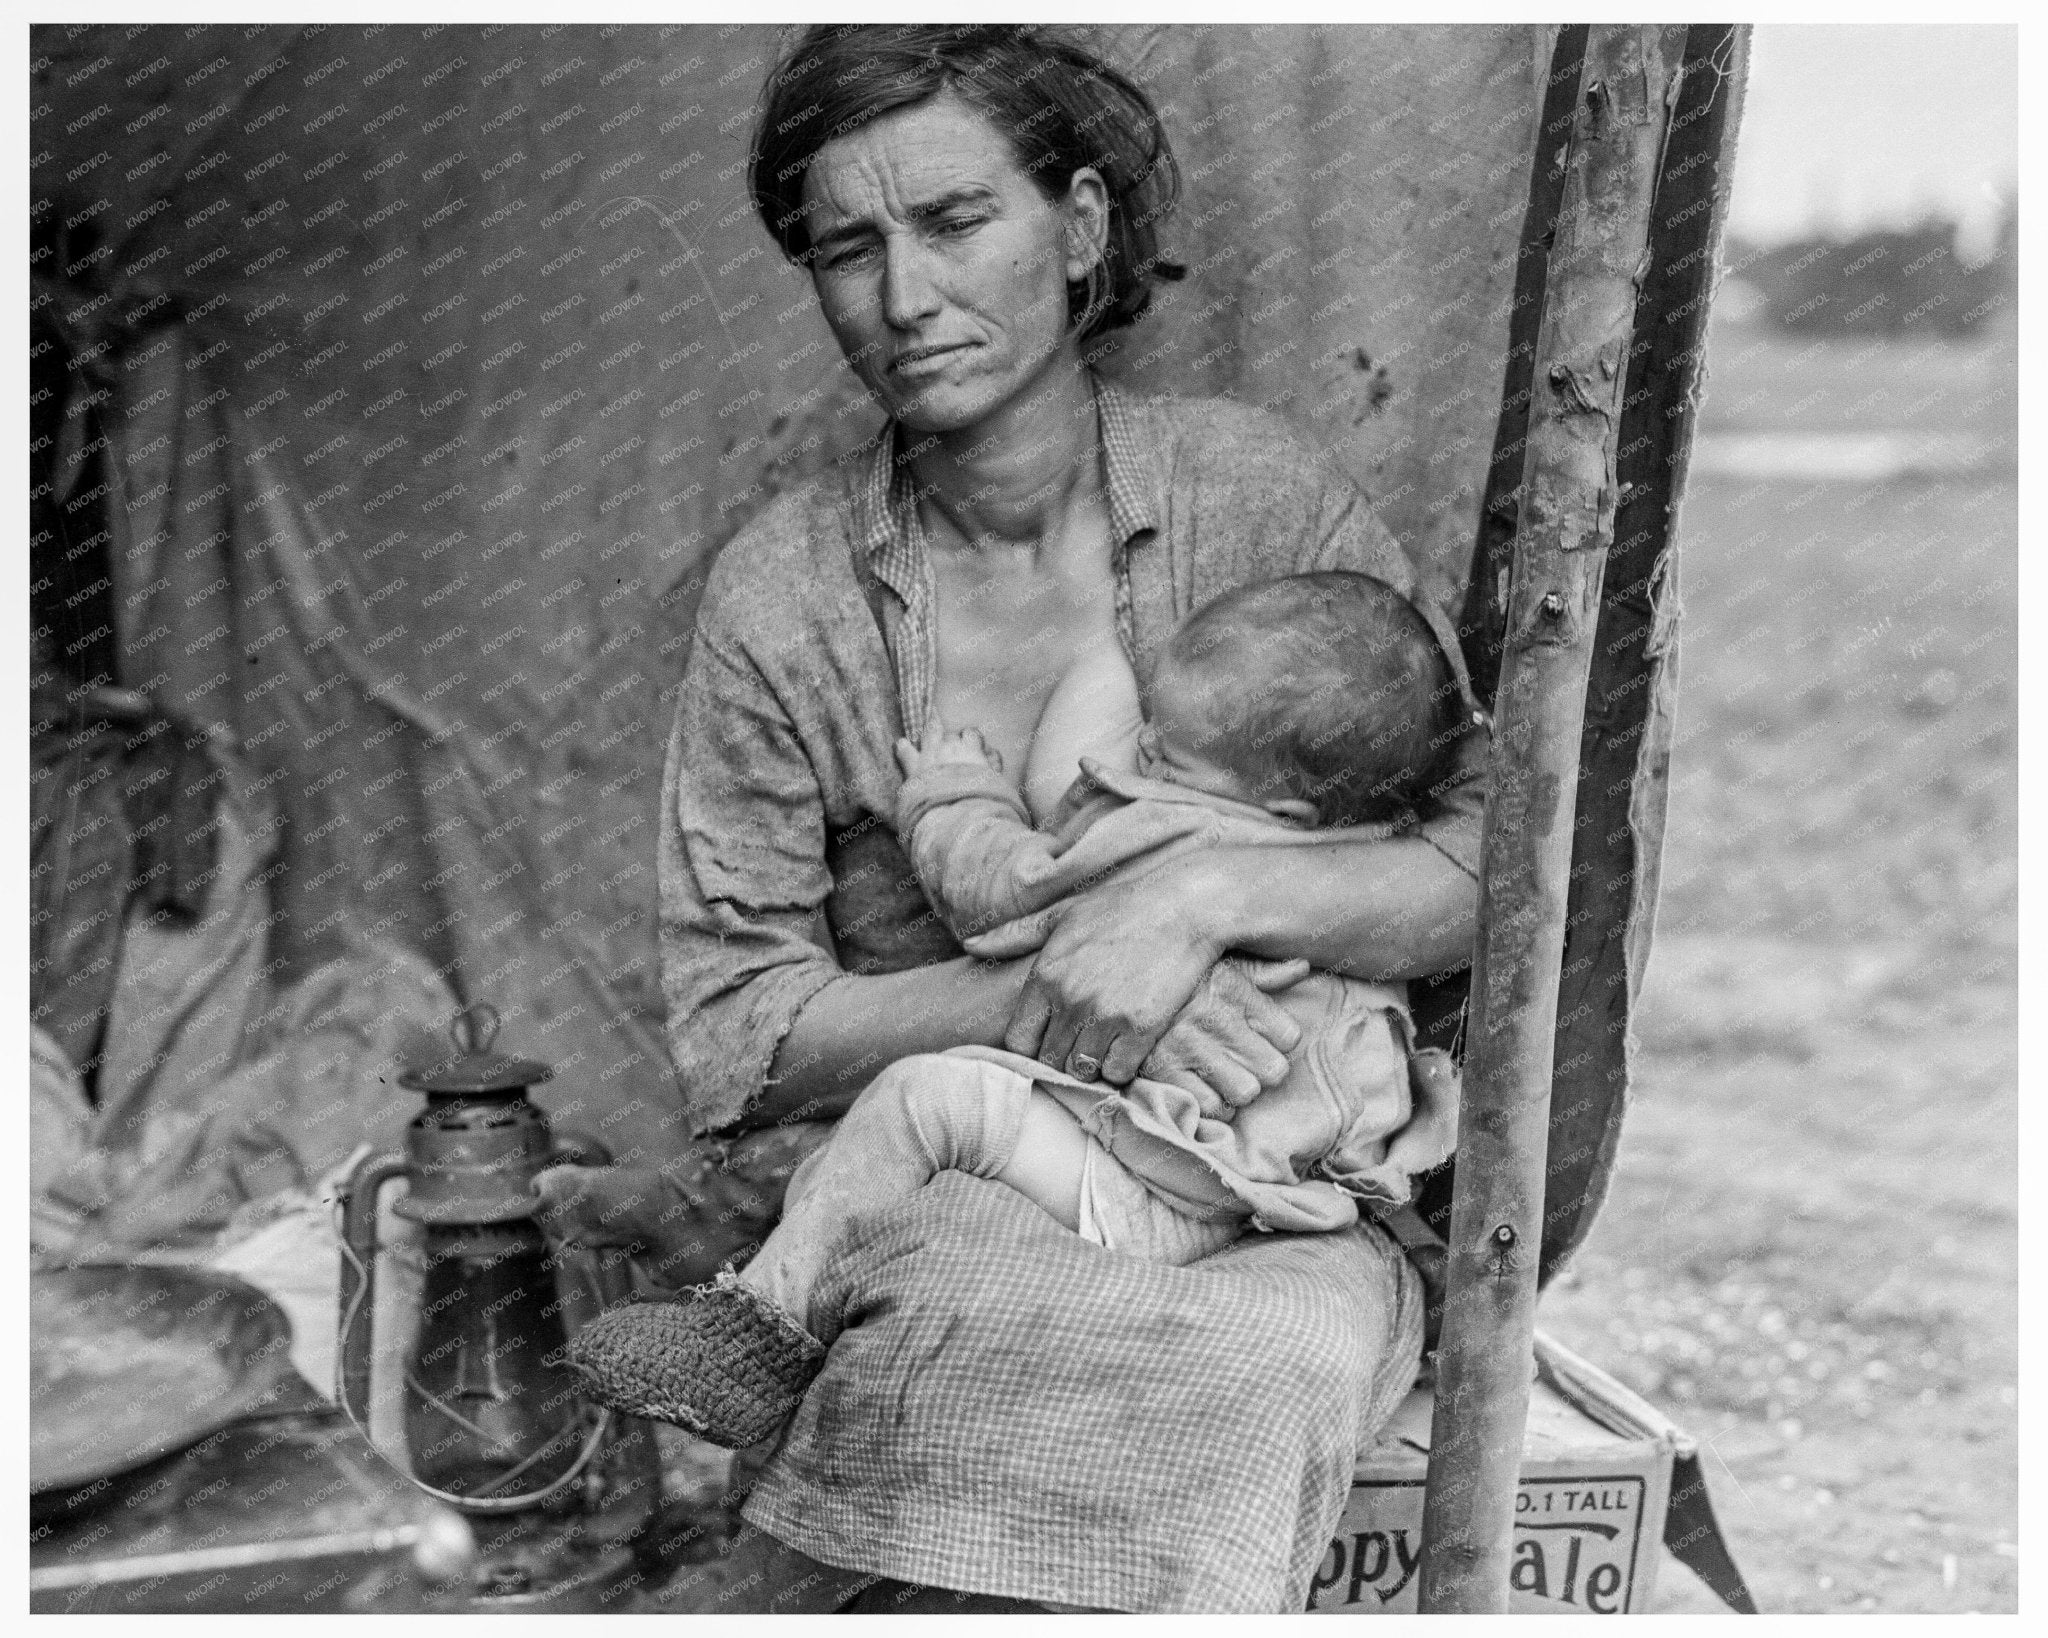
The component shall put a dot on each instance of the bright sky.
(1851, 127)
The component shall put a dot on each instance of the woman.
(977, 208)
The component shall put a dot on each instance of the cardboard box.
(1589, 1519)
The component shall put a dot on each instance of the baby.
(1274, 715)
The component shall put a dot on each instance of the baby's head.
(1323, 697)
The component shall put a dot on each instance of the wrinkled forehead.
(907, 164)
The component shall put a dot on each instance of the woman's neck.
(1011, 477)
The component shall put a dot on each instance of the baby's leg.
(1049, 1160)
(1121, 1214)
(921, 1116)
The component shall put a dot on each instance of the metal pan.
(130, 1362)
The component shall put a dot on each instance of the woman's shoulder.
(1222, 435)
(1256, 495)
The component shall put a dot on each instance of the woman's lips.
(925, 360)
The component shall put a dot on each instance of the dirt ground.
(1809, 1254)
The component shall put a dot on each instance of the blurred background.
(1809, 1256)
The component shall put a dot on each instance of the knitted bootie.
(722, 1361)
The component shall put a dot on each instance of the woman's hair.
(1327, 686)
(1058, 107)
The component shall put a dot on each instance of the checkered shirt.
(890, 529)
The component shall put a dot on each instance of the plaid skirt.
(1011, 1410)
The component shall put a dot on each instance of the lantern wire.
(474, 1503)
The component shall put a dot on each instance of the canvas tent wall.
(414, 375)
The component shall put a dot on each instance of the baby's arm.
(969, 835)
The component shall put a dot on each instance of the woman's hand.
(1230, 1042)
(629, 1206)
(1121, 964)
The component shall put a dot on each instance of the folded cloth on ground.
(92, 1199)
(1011, 1410)
(122, 822)
(184, 1142)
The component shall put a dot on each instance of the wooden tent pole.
(1570, 491)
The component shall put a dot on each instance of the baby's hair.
(1325, 686)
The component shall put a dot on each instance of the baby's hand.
(966, 749)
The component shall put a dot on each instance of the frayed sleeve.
(742, 878)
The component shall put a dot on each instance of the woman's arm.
(1120, 965)
(1372, 910)
(1401, 908)
(855, 1025)
(1125, 958)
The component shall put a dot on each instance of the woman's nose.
(908, 293)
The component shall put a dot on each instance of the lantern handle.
(474, 1028)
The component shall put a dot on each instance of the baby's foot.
(722, 1361)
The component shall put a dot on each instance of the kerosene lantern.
(493, 1421)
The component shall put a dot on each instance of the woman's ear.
(1087, 212)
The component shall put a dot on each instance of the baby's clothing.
(947, 1112)
(1119, 1213)
(1346, 1124)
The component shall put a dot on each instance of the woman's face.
(941, 267)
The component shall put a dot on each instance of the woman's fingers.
(1192, 1056)
(1111, 968)
(1014, 938)
(1235, 1081)
(1118, 967)
(1248, 1001)
(1240, 1063)
(1208, 1101)
(1026, 1030)
(1088, 1047)
(1277, 1027)
(1062, 1034)
(1240, 1002)
(1231, 1034)
(1124, 1056)
(1095, 1055)
(1272, 976)
(1044, 1025)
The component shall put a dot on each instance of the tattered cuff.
(936, 787)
